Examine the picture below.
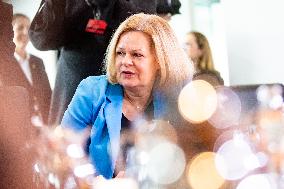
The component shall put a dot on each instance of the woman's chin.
(128, 84)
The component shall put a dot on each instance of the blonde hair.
(175, 67)
(205, 62)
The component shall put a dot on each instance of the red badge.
(96, 26)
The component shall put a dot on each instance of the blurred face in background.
(192, 48)
(21, 27)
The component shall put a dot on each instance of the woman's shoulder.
(98, 80)
(93, 84)
(95, 89)
(98, 85)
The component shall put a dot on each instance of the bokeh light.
(259, 181)
(160, 128)
(228, 109)
(202, 173)
(166, 163)
(36, 167)
(222, 138)
(84, 170)
(271, 130)
(61, 158)
(197, 101)
(270, 95)
(125, 183)
(75, 151)
(235, 158)
(154, 132)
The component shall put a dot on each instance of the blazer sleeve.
(56, 19)
(79, 112)
(47, 28)
(85, 104)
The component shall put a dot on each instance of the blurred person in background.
(202, 135)
(13, 73)
(17, 160)
(29, 71)
(198, 49)
(145, 70)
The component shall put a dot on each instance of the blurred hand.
(121, 174)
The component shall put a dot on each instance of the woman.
(145, 69)
(76, 28)
(199, 51)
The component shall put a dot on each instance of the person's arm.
(47, 27)
(79, 112)
(85, 104)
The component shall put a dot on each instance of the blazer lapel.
(34, 71)
(113, 114)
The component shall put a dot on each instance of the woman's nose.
(127, 60)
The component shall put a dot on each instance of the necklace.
(132, 103)
(137, 107)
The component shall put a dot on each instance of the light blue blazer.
(98, 103)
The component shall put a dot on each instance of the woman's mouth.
(128, 74)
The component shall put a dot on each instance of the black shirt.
(127, 137)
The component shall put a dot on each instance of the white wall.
(255, 38)
(182, 23)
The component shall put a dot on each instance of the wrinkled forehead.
(134, 38)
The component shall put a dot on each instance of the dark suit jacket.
(16, 135)
(39, 92)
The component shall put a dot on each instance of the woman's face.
(193, 51)
(135, 60)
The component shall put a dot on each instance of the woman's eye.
(137, 55)
(120, 53)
